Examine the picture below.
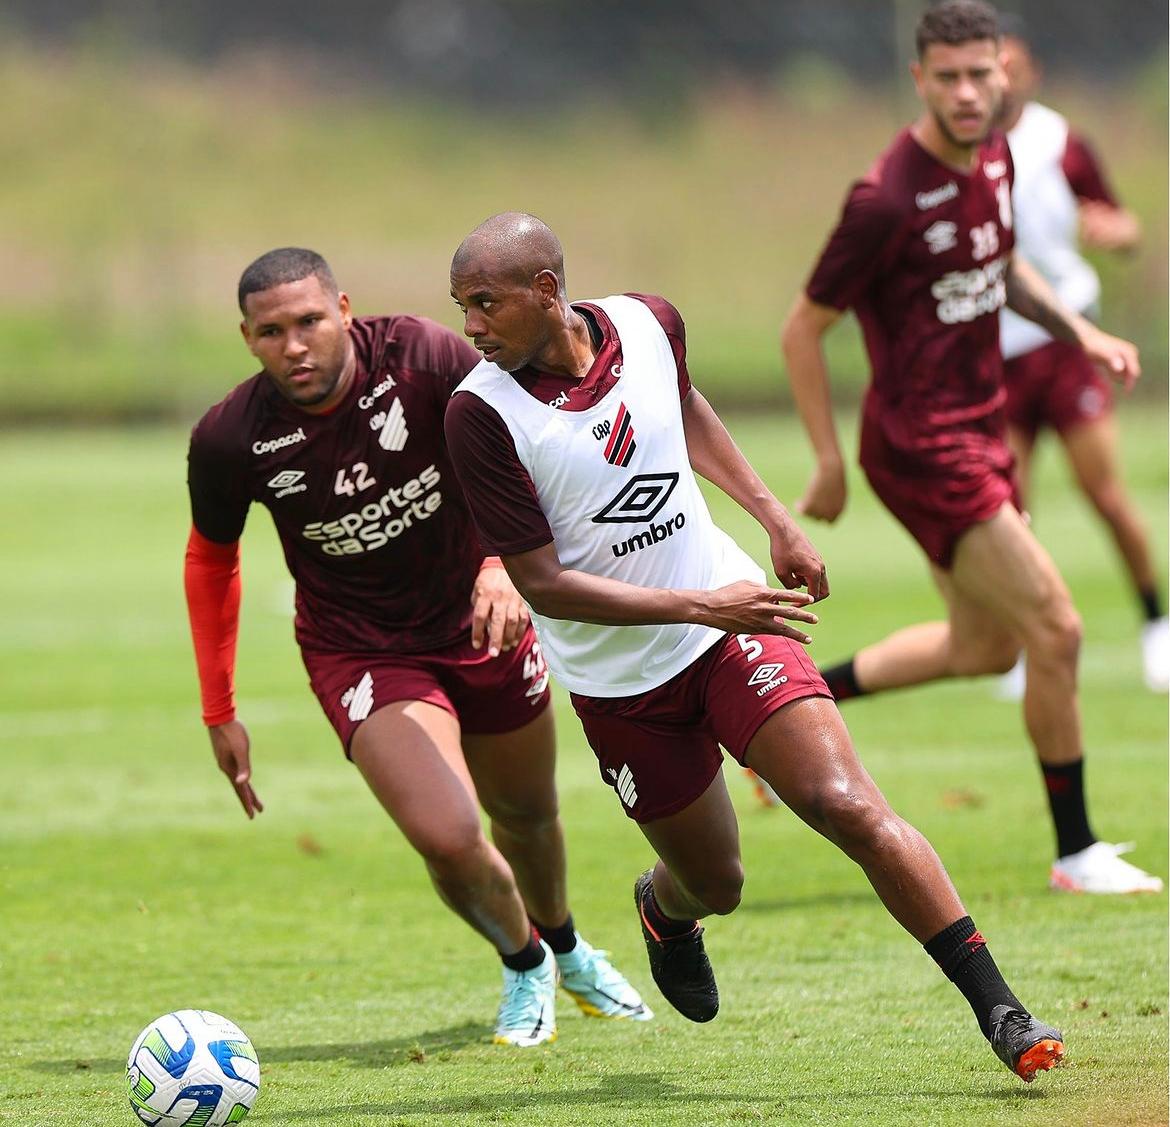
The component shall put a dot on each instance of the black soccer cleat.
(1025, 1045)
(679, 964)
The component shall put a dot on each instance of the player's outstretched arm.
(804, 354)
(1031, 297)
(739, 608)
(498, 615)
(232, 752)
(714, 454)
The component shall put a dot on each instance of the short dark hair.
(281, 266)
(956, 21)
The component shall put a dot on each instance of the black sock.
(962, 955)
(561, 939)
(1151, 603)
(529, 957)
(842, 681)
(1066, 795)
(661, 925)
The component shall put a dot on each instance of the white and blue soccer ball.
(192, 1068)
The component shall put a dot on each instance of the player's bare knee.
(856, 821)
(455, 853)
(1057, 636)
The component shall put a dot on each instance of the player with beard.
(923, 255)
(417, 647)
(1060, 197)
(577, 440)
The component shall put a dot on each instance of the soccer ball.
(192, 1067)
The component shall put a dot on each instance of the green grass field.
(131, 884)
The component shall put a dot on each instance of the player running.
(418, 648)
(576, 440)
(1060, 190)
(923, 254)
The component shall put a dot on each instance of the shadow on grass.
(361, 1054)
(813, 900)
(648, 1090)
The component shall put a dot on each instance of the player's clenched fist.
(751, 608)
(824, 497)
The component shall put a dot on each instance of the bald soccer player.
(577, 439)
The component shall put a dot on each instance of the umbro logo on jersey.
(994, 169)
(391, 425)
(639, 500)
(360, 699)
(286, 482)
(621, 445)
(625, 786)
(768, 677)
(927, 200)
(941, 236)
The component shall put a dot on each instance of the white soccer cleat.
(1100, 869)
(527, 1014)
(1156, 655)
(600, 990)
(1011, 685)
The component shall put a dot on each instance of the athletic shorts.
(485, 694)
(940, 493)
(659, 750)
(1055, 386)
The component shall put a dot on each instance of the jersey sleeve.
(500, 494)
(1084, 173)
(219, 501)
(676, 332)
(856, 249)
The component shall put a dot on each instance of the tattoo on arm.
(1032, 297)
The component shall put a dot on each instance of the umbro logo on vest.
(621, 445)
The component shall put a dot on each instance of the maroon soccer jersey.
(921, 255)
(508, 514)
(372, 521)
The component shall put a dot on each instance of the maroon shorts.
(659, 750)
(938, 493)
(485, 694)
(1055, 386)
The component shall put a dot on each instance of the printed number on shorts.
(534, 664)
(348, 486)
(751, 648)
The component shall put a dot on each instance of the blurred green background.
(150, 155)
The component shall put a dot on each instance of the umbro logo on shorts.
(768, 676)
(360, 699)
(621, 445)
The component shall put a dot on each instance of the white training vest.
(1046, 213)
(616, 487)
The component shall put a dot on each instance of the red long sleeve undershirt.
(211, 579)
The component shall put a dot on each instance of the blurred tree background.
(696, 149)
